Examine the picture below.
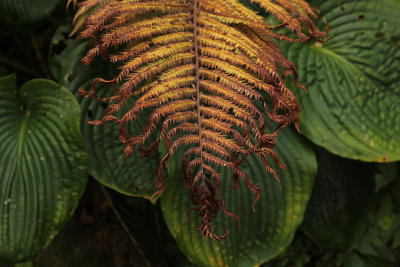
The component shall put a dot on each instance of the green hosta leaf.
(26, 10)
(353, 79)
(133, 176)
(43, 164)
(264, 233)
(337, 210)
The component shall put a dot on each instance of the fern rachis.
(203, 68)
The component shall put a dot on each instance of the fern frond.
(204, 68)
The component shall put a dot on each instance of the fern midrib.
(197, 78)
(239, 64)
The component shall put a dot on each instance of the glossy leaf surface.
(43, 164)
(353, 80)
(264, 233)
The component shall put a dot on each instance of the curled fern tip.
(211, 76)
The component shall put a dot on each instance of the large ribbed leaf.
(26, 10)
(133, 176)
(264, 233)
(353, 79)
(335, 216)
(43, 164)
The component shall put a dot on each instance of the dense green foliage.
(339, 204)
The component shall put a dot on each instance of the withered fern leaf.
(204, 68)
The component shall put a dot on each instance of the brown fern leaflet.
(202, 67)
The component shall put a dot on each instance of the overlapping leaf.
(263, 233)
(353, 79)
(134, 176)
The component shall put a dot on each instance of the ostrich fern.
(211, 75)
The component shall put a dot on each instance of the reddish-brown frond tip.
(201, 69)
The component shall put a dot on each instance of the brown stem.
(123, 224)
(197, 86)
